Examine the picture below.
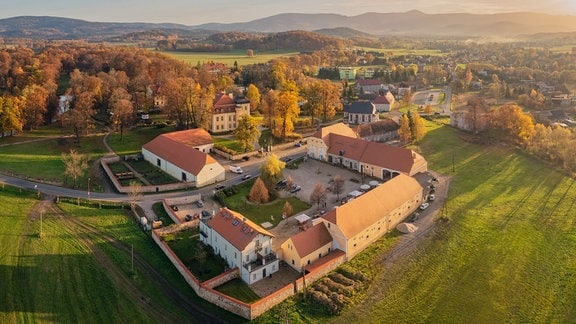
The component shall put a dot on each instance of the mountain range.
(411, 23)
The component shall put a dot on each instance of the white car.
(432, 197)
(424, 205)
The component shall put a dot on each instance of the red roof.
(235, 228)
(339, 128)
(223, 103)
(383, 155)
(381, 100)
(311, 239)
(179, 149)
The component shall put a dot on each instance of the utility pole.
(41, 224)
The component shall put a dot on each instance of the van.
(235, 169)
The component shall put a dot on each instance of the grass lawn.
(59, 279)
(505, 255)
(261, 213)
(239, 57)
(43, 159)
(196, 258)
(230, 143)
(132, 140)
(238, 289)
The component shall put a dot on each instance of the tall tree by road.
(253, 94)
(75, 164)
(10, 120)
(271, 170)
(246, 132)
(404, 131)
(318, 195)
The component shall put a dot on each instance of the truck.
(236, 169)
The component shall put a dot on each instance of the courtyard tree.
(418, 129)
(259, 193)
(271, 170)
(404, 131)
(318, 195)
(253, 94)
(287, 210)
(337, 186)
(79, 118)
(246, 132)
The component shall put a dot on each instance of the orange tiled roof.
(355, 216)
(235, 228)
(381, 100)
(311, 239)
(223, 103)
(179, 149)
(379, 154)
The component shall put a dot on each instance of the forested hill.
(407, 23)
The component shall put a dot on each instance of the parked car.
(236, 169)
(281, 184)
(188, 218)
(424, 205)
(174, 207)
(298, 144)
(199, 203)
(295, 189)
(205, 213)
(246, 158)
(219, 187)
(246, 177)
(432, 197)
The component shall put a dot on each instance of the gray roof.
(360, 107)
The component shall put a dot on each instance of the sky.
(194, 12)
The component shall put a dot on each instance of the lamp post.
(88, 187)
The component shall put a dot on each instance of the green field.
(506, 254)
(239, 57)
(80, 271)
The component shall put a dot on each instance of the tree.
(253, 94)
(79, 118)
(428, 110)
(250, 52)
(286, 110)
(407, 98)
(246, 132)
(404, 132)
(322, 98)
(75, 164)
(337, 185)
(287, 210)
(35, 99)
(289, 183)
(121, 108)
(418, 129)
(271, 170)
(513, 123)
(318, 195)
(134, 192)
(10, 119)
(259, 193)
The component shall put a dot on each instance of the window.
(247, 258)
(158, 162)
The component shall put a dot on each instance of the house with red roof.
(303, 248)
(226, 112)
(383, 161)
(369, 85)
(360, 222)
(184, 155)
(385, 102)
(241, 243)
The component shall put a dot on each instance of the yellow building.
(226, 113)
(304, 248)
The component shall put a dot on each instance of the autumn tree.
(322, 99)
(428, 110)
(253, 94)
(318, 195)
(75, 164)
(121, 108)
(407, 98)
(134, 192)
(35, 100)
(246, 132)
(418, 128)
(404, 132)
(337, 186)
(271, 170)
(287, 210)
(289, 183)
(512, 124)
(286, 110)
(79, 118)
(10, 118)
(259, 193)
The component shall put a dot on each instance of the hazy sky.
(194, 12)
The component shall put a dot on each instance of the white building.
(241, 243)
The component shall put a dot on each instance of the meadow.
(502, 251)
(238, 57)
(81, 269)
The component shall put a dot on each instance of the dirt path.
(85, 232)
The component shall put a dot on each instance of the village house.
(369, 86)
(347, 73)
(340, 146)
(360, 112)
(184, 155)
(381, 131)
(357, 224)
(227, 111)
(384, 103)
(302, 249)
(241, 243)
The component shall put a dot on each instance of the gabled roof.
(179, 149)
(191, 137)
(339, 128)
(311, 239)
(223, 100)
(383, 155)
(235, 228)
(355, 216)
(360, 107)
(381, 100)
